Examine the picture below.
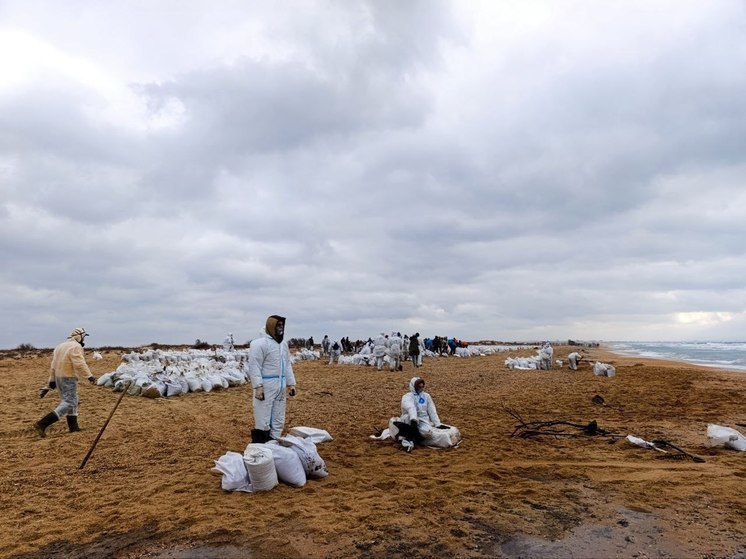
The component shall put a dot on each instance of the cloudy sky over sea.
(508, 170)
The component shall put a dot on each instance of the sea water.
(723, 355)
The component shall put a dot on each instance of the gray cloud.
(479, 170)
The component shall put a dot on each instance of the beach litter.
(667, 448)
(720, 436)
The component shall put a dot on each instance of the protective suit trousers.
(269, 414)
(68, 388)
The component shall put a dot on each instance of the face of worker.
(280, 329)
(419, 386)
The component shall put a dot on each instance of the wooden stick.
(101, 432)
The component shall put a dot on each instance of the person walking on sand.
(68, 361)
(379, 349)
(271, 375)
(395, 350)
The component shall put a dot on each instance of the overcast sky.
(506, 170)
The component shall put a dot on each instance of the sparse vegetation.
(199, 344)
(26, 347)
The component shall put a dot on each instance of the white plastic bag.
(717, 435)
(316, 435)
(443, 436)
(288, 465)
(603, 369)
(235, 475)
(261, 467)
(313, 464)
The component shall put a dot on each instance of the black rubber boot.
(260, 436)
(44, 422)
(72, 423)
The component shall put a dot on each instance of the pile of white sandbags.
(292, 459)
(522, 362)
(159, 373)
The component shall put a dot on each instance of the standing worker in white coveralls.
(380, 345)
(68, 361)
(271, 375)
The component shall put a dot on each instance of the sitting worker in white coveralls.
(68, 361)
(271, 375)
(574, 359)
(418, 415)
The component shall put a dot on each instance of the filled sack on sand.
(717, 435)
(603, 369)
(316, 435)
(288, 465)
(313, 464)
(443, 436)
(235, 476)
(261, 467)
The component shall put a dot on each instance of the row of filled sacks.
(166, 385)
(292, 459)
(173, 356)
(522, 362)
(305, 354)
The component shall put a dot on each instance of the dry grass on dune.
(147, 491)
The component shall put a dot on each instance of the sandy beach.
(147, 490)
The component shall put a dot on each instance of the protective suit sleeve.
(256, 358)
(408, 408)
(289, 374)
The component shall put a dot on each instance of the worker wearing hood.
(271, 375)
(68, 361)
(418, 415)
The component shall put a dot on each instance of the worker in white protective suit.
(334, 352)
(395, 352)
(228, 344)
(418, 415)
(271, 375)
(574, 359)
(380, 345)
(545, 356)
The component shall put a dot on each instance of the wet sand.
(147, 490)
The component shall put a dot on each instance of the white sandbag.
(103, 379)
(172, 389)
(313, 464)
(316, 435)
(194, 384)
(151, 391)
(184, 384)
(288, 465)
(717, 436)
(235, 475)
(206, 384)
(603, 369)
(261, 467)
(443, 436)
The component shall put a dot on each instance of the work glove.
(413, 423)
(43, 391)
(92, 379)
(52, 384)
(291, 391)
(259, 393)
